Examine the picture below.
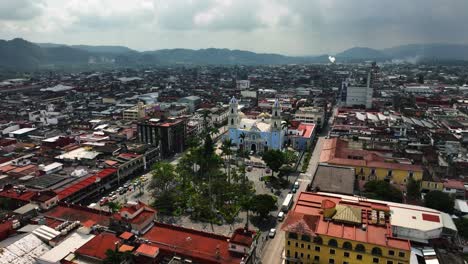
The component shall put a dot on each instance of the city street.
(273, 249)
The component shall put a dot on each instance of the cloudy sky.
(293, 27)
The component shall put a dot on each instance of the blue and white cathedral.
(257, 135)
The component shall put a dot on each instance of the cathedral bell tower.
(233, 117)
(276, 116)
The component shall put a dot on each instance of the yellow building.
(432, 186)
(327, 229)
(369, 165)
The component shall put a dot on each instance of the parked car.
(103, 201)
(296, 185)
(272, 233)
(280, 216)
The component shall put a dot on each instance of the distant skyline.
(295, 27)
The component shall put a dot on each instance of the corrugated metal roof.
(348, 214)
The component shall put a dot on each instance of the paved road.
(273, 249)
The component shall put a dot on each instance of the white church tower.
(277, 133)
(233, 120)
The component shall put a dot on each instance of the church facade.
(257, 135)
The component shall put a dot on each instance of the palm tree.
(226, 150)
(284, 126)
(242, 137)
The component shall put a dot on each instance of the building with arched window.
(333, 228)
(257, 135)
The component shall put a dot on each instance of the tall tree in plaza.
(263, 204)
(413, 189)
(274, 159)
(227, 152)
(163, 185)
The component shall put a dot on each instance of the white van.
(280, 216)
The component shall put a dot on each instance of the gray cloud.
(290, 27)
(20, 9)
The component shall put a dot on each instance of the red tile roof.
(335, 151)
(307, 218)
(86, 182)
(96, 248)
(126, 235)
(206, 247)
(307, 130)
(454, 184)
(243, 237)
(87, 216)
(147, 250)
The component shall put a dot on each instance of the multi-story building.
(332, 228)
(314, 115)
(193, 102)
(169, 135)
(134, 113)
(355, 95)
(242, 84)
(369, 165)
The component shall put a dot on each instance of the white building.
(243, 84)
(310, 115)
(354, 95)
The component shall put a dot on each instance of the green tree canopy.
(413, 189)
(263, 204)
(440, 201)
(462, 227)
(163, 185)
(382, 190)
(274, 159)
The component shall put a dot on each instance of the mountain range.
(19, 54)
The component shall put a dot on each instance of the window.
(389, 262)
(295, 254)
(318, 240)
(317, 249)
(391, 253)
(360, 248)
(332, 243)
(359, 257)
(288, 253)
(411, 174)
(297, 244)
(289, 243)
(302, 245)
(347, 245)
(376, 251)
(375, 260)
(308, 246)
(306, 238)
(316, 258)
(292, 236)
(372, 171)
(346, 254)
(361, 170)
(331, 261)
(308, 256)
(302, 255)
(332, 251)
(389, 173)
(401, 254)
(232, 110)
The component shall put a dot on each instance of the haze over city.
(298, 27)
